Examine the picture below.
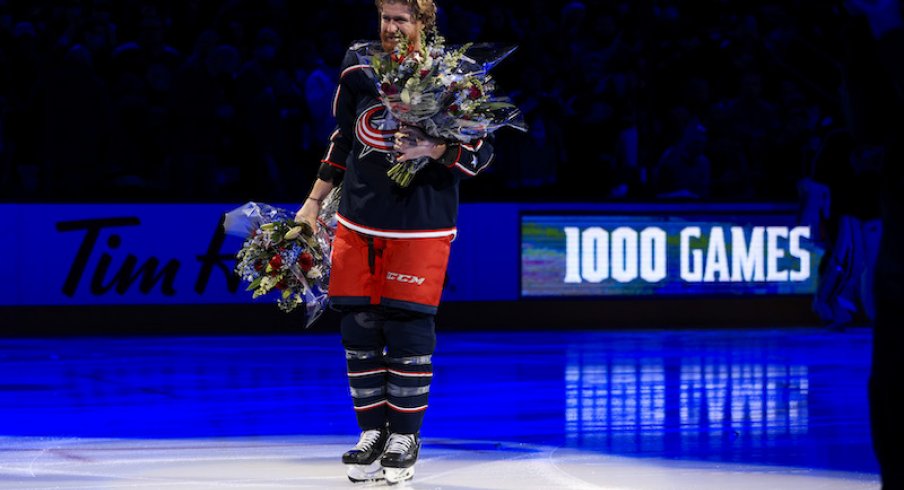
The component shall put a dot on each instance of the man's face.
(396, 20)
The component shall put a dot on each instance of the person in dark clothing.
(391, 250)
(886, 23)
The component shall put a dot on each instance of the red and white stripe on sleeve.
(468, 159)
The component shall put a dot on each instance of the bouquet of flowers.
(447, 92)
(282, 256)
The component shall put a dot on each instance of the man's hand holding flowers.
(412, 143)
(312, 207)
(308, 213)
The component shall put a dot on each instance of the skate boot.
(362, 461)
(399, 458)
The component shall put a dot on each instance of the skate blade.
(398, 475)
(361, 473)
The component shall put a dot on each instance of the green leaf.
(496, 105)
(254, 284)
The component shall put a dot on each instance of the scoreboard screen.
(596, 255)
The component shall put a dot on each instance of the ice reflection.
(764, 399)
(651, 404)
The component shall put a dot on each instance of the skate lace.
(399, 443)
(367, 440)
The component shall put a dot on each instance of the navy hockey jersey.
(359, 157)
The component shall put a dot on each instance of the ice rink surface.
(663, 409)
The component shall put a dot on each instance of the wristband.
(451, 155)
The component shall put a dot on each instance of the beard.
(390, 41)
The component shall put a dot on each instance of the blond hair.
(423, 10)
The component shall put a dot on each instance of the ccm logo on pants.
(395, 276)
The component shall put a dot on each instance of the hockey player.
(390, 252)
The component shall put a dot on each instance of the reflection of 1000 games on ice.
(635, 256)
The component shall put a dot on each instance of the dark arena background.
(666, 282)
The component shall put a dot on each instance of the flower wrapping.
(445, 91)
(283, 257)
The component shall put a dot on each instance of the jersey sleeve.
(468, 159)
(351, 78)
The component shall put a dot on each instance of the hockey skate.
(363, 461)
(399, 458)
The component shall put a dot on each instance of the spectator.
(76, 121)
(684, 170)
(752, 74)
(203, 124)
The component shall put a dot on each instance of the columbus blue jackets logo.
(375, 130)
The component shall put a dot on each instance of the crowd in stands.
(229, 100)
